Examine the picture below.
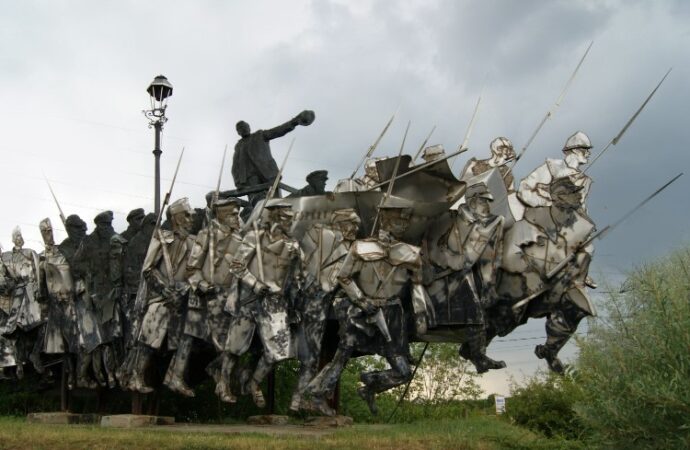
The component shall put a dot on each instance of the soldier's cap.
(74, 220)
(405, 211)
(577, 140)
(226, 202)
(284, 208)
(433, 150)
(45, 224)
(17, 232)
(150, 218)
(345, 215)
(479, 190)
(104, 217)
(179, 206)
(136, 213)
(565, 183)
(317, 175)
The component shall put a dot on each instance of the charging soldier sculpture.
(502, 152)
(324, 248)
(464, 263)
(212, 282)
(372, 319)
(267, 263)
(135, 219)
(165, 273)
(94, 262)
(26, 313)
(62, 333)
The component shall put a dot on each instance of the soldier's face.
(349, 229)
(480, 206)
(102, 228)
(229, 216)
(320, 184)
(504, 154)
(47, 235)
(577, 157)
(394, 223)
(183, 220)
(18, 240)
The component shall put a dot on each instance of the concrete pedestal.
(62, 418)
(268, 419)
(328, 422)
(135, 421)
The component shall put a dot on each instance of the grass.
(482, 432)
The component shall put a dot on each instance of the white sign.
(500, 404)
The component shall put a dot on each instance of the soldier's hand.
(305, 118)
(260, 288)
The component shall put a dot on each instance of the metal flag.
(615, 140)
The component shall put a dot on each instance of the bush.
(634, 368)
(545, 403)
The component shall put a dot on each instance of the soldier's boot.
(307, 371)
(97, 364)
(83, 378)
(19, 372)
(474, 350)
(223, 382)
(110, 365)
(35, 356)
(263, 368)
(174, 378)
(369, 397)
(560, 325)
(323, 384)
(137, 382)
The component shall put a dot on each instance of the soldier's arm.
(349, 269)
(532, 190)
(280, 130)
(197, 256)
(239, 262)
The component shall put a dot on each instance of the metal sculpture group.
(465, 259)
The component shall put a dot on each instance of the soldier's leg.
(229, 361)
(310, 336)
(560, 325)
(38, 343)
(382, 380)
(144, 355)
(174, 378)
(263, 368)
(83, 365)
(97, 365)
(474, 350)
(110, 365)
(324, 383)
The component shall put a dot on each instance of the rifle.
(551, 111)
(617, 138)
(62, 215)
(392, 180)
(214, 200)
(470, 126)
(373, 146)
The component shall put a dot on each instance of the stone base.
(135, 421)
(62, 418)
(328, 422)
(268, 419)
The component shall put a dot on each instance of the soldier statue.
(212, 282)
(76, 232)
(372, 319)
(252, 162)
(534, 188)
(464, 261)
(95, 262)
(26, 315)
(316, 184)
(433, 153)
(267, 263)
(132, 262)
(324, 248)
(62, 333)
(167, 288)
(135, 220)
(502, 152)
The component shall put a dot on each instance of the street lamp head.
(160, 88)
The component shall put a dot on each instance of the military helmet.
(180, 205)
(345, 215)
(433, 152)
(44, 224)
(478, 190)
(500, 142)
(577, 140)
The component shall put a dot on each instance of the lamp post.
(159, 90)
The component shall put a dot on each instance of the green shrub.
(634, 367)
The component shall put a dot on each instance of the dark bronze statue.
(252, 162)
(316, 184)
(135, 219)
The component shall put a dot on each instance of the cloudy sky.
(74, 75)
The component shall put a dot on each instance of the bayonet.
(421, 147)
(62, 215)
(617, 138)
(373, 146)
(470, 126)
(211, 232)
(553, 109)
